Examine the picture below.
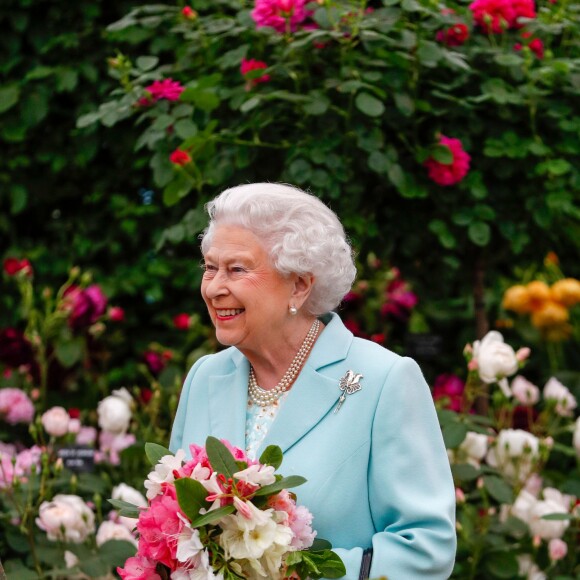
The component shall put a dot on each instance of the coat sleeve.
(411, 492)
(176, 440)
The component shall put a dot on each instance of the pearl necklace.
(265, 397)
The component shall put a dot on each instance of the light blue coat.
(377, 470)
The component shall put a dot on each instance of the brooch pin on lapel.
(348, 384)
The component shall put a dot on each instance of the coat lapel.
(228, 401)
(314, 394)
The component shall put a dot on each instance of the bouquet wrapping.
(222, 515)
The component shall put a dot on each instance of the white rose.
(55, 421)
(129, 494)
(66, 518)
(113, 531)
(547, 529)
(523, 506)
(514, 453)
(576, 438)
(554, 389)
(115, 413)
(474, 447)
(529, 569)
(525, 392)
(495, 359)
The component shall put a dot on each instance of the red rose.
(12, 266)
(250, 65)
(449, 173)
(456, 35)
(182, 321)
(116, 314)
(180, 157)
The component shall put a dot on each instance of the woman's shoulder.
(221, 362)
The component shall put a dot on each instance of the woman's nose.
(216, 286)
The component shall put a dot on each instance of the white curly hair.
(301, 234)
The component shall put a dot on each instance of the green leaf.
(176, 190)
(272, 455)
(479, 233)
(185, 128)
(442, 154)
(559, 517)
(379, 162)
(284, 483)
(69, 352)
(220, 457)
(320, 544)
(213, 516)
(250, 104)
(19, 195)
(88, 119)
(191, 497)
(155, 452)
(464, 471)
(146, 63)
(125, 508)
(498, 489)
(454, 434)
(369, 105)
(8, 97)
(502, 564)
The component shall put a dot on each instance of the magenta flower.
(282, 15)
(449, 386)
(15, 406)
(497, 16)
(86, 305)
(166, 89)
(252, 64)
(449, 173)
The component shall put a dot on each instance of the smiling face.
(246, 297)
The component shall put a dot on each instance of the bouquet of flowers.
(222, 515)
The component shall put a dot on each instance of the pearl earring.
(293, 310)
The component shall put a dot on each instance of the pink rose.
(557, 549)
(252, 65)
(282, 15)
(524, 391)
(182, 321)
(116, 314)
(55, 421)
(456, 35)
(139, 568)
(15, 406)
(167, 89)
(86, 436)
(66, 518)
(449, 173)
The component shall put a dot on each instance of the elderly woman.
(356, 420)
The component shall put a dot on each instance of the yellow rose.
(566, 291)
(517, 299)
(550, 314)
(538, 293)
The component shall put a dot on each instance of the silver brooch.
(348, 384)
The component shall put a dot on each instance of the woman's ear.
(303, 285)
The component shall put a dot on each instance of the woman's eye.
(209, 268)
(237, 269)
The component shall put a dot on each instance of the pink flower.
(399, 300)
(182, 321)
(86, 436)
(166, 89)
(86, 305)
(525, 392)
(111, 445)
(15, 406)
(498, 16)
(299, 519)
(18, 465)
(180, 157)
(450, 387)
(557, 549)
(537, 47)
(454, 172)
(456, 35)
(12, 266)
(116, 314)
(251, 65)
(55, 421)
(159, 527)
(139, 568)
(282, 15)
